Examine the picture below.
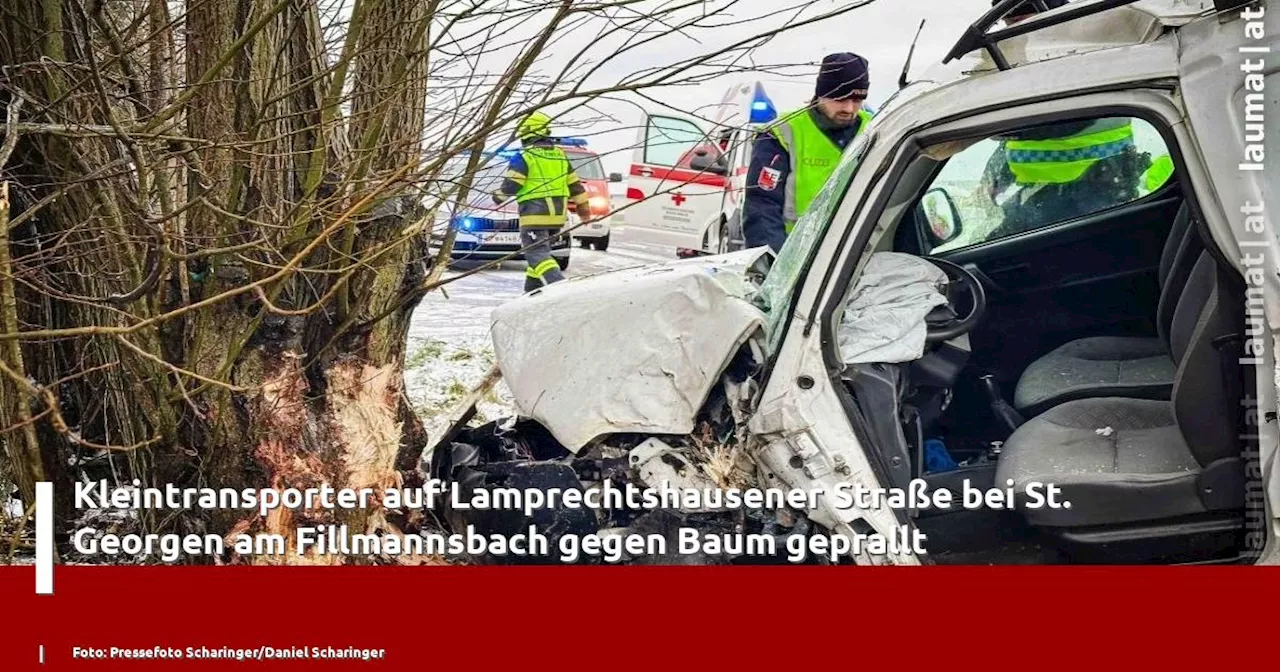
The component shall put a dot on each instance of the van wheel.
(722, 243)
(584, 243)
(601, 244)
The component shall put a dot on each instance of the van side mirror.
(615, 177)
(702, 162)
(938, 217)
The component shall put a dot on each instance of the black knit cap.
(843, 75)
(1029, 7)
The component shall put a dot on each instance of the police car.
(486, 231)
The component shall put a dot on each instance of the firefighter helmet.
(536, 125)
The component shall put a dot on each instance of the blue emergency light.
(467, 223)
(762, 109)
(570, 142)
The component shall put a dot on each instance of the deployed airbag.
(885, 318)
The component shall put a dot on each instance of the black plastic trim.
(1057, 233)
(1220, 522)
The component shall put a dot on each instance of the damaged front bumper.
(626, 500)
(630, 385)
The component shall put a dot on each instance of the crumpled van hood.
(631, 351)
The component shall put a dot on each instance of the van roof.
(1139, 22)
(1137, 25)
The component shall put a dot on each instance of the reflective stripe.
(1066, 159)
(542, 220)
(542, 269)
(543, 212)
(783, 133)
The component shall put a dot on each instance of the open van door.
(745, 110)
(669, 202)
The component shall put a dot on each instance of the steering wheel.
(945, 323)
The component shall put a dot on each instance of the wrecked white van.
(938, 323)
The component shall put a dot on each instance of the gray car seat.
(1123, 460)
(1117, 365)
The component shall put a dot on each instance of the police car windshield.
(486, 179)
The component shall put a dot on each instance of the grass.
(454, 391)
(429, 349)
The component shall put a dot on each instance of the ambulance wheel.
(584, 243)
(722, 244)
(601, 243)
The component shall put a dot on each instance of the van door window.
(1040, 176)
(668, 140)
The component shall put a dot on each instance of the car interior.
(1094, 346)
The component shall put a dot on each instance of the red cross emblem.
(678, 198)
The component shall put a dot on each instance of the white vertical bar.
(42, 654)
(44, 538)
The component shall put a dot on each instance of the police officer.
(1065, 170)
(791, 162)
(542, 181)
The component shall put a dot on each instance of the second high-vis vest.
(1064, 160)
(813, 158)
(547, 180)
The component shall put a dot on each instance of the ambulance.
(688, 172)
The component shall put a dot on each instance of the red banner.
(714, 618)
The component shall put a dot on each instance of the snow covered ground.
(449, 346)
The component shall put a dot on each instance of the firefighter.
(542, 181)
(793, 159)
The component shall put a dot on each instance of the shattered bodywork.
(606, 401)
(632, 351)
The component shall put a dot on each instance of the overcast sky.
(881, 31)
(468, 63)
